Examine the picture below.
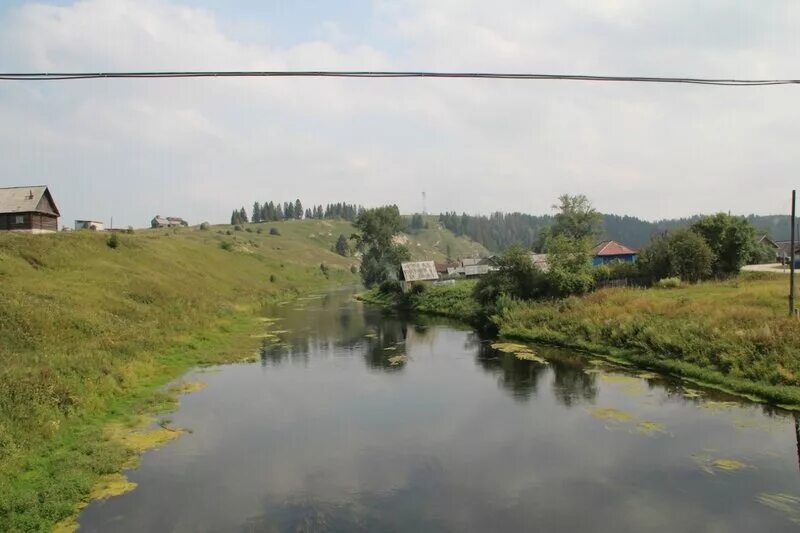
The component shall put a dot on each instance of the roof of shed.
(419, 271)
(612, 248)
(25, 199)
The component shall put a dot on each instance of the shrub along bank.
(90, 330)
(732, 334)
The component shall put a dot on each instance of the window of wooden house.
(19, 219)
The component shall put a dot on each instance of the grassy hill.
(434, 242)
(88, 334)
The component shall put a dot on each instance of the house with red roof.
(610, 251)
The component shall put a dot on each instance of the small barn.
(29, 209)
(611, 251)
(418, 271)
(167, 222)
(93, 225)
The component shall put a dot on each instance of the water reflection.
(359, 421)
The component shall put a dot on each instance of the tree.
(570, 263)
(298, 209)
(279, 215)
(242, 216)
(732, 240)
(516, 277)
(341, 246)
(417, 222)
(654, 260)
(576, 218)
(690, 256)
(381, 257)
(256, 213)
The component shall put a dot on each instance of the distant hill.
(499, 230)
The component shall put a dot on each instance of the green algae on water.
(398, 360)
(612, 415)
(710, 464)
(788, 504)
(650, 429)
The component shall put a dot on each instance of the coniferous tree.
(256, 213)
(279, 212)
(298, 209)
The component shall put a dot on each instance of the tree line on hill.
(275, 211)
(498, 230)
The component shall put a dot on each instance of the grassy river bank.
(90, 335)
(732, 335)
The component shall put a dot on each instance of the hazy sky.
(198, 148)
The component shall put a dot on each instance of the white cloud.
(200, 147)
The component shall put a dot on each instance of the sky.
(131, 149)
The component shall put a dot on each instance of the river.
(355, 420)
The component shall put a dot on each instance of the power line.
(62, 76)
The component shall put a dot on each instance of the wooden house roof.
(419, 271)
(30, 199)
(607, 248)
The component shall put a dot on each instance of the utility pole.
(792, 258)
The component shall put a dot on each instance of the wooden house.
(167, 222)
(612, 251)
(29, 209)
(418, 271)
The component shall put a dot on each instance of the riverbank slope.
(733, 335)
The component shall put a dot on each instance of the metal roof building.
(419, 271)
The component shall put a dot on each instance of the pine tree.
(298, 209)
(279, 212)
(242, 216)
(256, 213)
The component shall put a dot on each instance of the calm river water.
(354, 420)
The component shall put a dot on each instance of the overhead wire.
(65, 76)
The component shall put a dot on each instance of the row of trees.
(272, 211)
(499, 230)
(712, 247)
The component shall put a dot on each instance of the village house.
(418, 271)
(29, 209)
(784, 252)
(612, 251)
(93, 225)
(766, 242)
(167, 222)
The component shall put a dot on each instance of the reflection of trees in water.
(333, 323)
(514, 375)
(571, 384)
(378, 350)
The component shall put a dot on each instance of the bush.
(205, 226)
(324, 269)
(228, 232)
(274, 231)
(272, 278)
(354, 269)
(259, 230)
(249, 230)
(669, 283)
(237, 227)
(418, 288)
(226, 245)
(113, 241)
(391, 286)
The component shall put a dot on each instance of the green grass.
(88, 334)
(432, 244)
(733, 335)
